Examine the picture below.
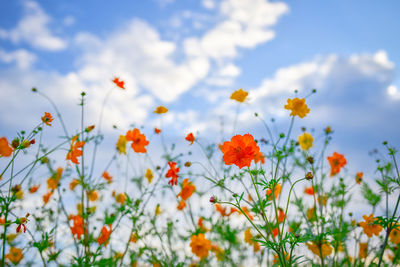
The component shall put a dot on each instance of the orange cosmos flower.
(309, 190)
(34, 188)
(256, 247)
(121, 144)
(21, 223)
(78, 226)
(200, 245)
(298, 107)
(275, 232)
(259, 157)
(14, 255)
(320, 248)
(157, 130)
(74, 151)
(359, 177)
(223, 211)
(5, 149)
(134, 238)
(395, 234)
(93, 195)
(181, 205)
(190, 138)
(277, 191)
(247, 212)
(47, 118)
(363, 250)
(120, 84)
(74, 183)
(187, 189)
(172, 173)
(240, 151)
(369, 227)
(219, 252)
(105, 235)
(47, 196)
(248, 237)
(120, 198)
(160, 110)
(281, 215)
(107, 176)
(138, 139)
(337, 161)
(149, 175)
(239, 95)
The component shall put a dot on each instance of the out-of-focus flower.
(74, 183)
(359, 177)
(120, 198)
(190, 138)
(187, 189)
(219, 252)
(337, 161)
(74, 151)
(107, 177)
(14, 255)
(363, 250)
(259, 157)
(172, 173)
(104, 235)
(306, 141)
(240, 151)
(157, 130)
(53, 181)
(395, 234)
(309, 190)
(5, 149)
(121, 144)
(34, 188)
(281, 215)
(160, 110)
(77, 227)
(277, 191)
(181, 205)
(275, 231)
(47, 196)
(47, 118)
(89, 128)
(200, 245)
(149, 175)
(223, 211)
(158, 210)
(21, 223)
(248, 237)
(369, 227)
(247, 212)
(311, 213)
(119, 83)
(93, 195)
(320, 248)
(139, 141)
(298, 107)
(134, 238)
(239, 95)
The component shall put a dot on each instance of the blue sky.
(190, 55)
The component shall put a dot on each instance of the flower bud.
(213, 199)
(309, 176)
(310, 159)
(188, 164)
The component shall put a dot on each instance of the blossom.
(158, 210)
(281, 215)
(160, 110)
(298, 107)
(107, 177)
(256, 246)
(275, 231)
(190, 138)
(105, 235)
(248, 237)
(121, 144)
(134, 238)
(157, 130)
(369, 227)
(306, 141)
(74, 183)
(311, 213)
(309, 190)
(47, 118)
(34, 188)
(138, 139)
(259, 157)
(277, 191)
(172, 173)
(201, 225)
(74, 151)
(21, 223)
(395, 234)
(247, 212)
(337, 161)
(14, 255)
(149, 175)
(120, 84)
(219, 252)
(120, 198)
(222, 210)
(5, 149)
(240, 151)
(363, 250)
(181, 205)
(187, 189)
(53, 181)
(93, 195)
(47, 196)
(239, 95)
(200, 245)
(77, 227)
(320, 248)
(359, 177)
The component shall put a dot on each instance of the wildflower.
(239, 95)
(107, 177)
(337, 161)
(259, 157)
(281, 215)
(157, 130)
(121, 144)
(21, 223)
(149, 175)
(34, 188)
(275, 232)
(306, 141)
(120, 84)
(47, 118)
(277, 191)
(359, 177)
(138, 140)
(93, 195)
(47, 196)
(89, 128)
(320, 248)
(363, 250)
(160, 110)
(19, 194)
(219, 252)
(256, 247)
(74, 183)
(369, 227)
(172, 173)
(222, 210)
(309, 190)
(78, 226)
(311, 213)
(187, 189)
(213, 199)
(309, 176)
(190, 138)
(27, 143)
(201, 225)
(158, 210)
(248, 237)
(74, 151)
(5, 149)
(14, 255)
(298, 107)
(120, 198)
(181, 205)
(247, 212)
(395, 234)
(134, 238)
(104, 236)
(240, 151)
(200, 245)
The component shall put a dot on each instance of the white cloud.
(33, 29)
(209, 4)
(24, 59)
(393, 92)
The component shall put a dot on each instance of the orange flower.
(120, 84)
(74, 151)
(74, 183)
(121, 144)
(47, 196)
(240, 151)
(277, 191)
(337, 161)
(309, 190)
(190, 138)
(138, 140)
(320, 248)
(47, 118)
(181, 205)
(149, 175)
(14, 255)
(259, 157)
(201, 225)
(256, 247)
(200, 245)
(5, 149)
(363, 250)
(105, 235)
(247, 212)
(248, 237)
(107, 176)
(281, 215)
(173, 173)
(157, 130)
(275, 232)
(53, 181)
(395, 234)
(239, 95)
(187, 189)
(34, 188)
(93, 195)
(311, 213)
(78, 226)
(359, 177)
(369, 227)
(134, 238)
(298, 107)
(160, 110)
(222, 210)
(120, 198)
(219, 252)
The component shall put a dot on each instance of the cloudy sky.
(189, 55)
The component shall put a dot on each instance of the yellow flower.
(363, 250)
(369, 227)
(15, 255)
(120, 198)
(20, 194)
(118, 255)
(121, 144)
(248, 237)
(298, 107)
(320, 248)
(200, 245)
(149, 175)
(306, 141)
(158, 210)
(160, 110)
(239, 95)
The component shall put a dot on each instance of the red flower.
(105, 235)
(337, 161)
(309, 190)
(190, 138)
(74, 151)
(138, 139)
(119, 83)
(21, 223)
(172, 173)
(107, 176)
(240, 151)
(157, 130)
(259, 157)
(78, 226)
